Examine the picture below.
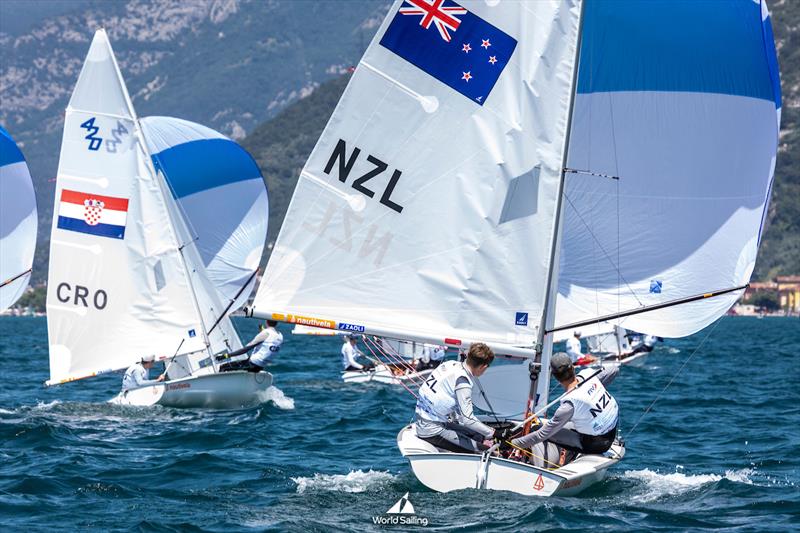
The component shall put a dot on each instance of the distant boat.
(504, 171)
(158, 229)
(18, 222)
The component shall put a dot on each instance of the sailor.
(574, 349)
(432, 356)
(586, 420)
(138, 374)
(437, 355)
(265, 346)
(350, 354)
(444, 414)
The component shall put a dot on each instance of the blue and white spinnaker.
(17, 222)
(681, 102)
(222, 195)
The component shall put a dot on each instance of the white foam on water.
(657, 485)
(673, 350)
(276, 396)
(354, 481)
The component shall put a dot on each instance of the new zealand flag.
(451, 44)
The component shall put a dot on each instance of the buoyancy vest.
(268, 349)
(595, 410)
(437, 396)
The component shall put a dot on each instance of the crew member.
(350, 354)
(589, 408)
(574, 349)
(444, 414)
(437, 355)
(265, 346)
(432, 356)
(138, 374)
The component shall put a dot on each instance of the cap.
(148, 358)
(560, 362)
(577, 333)
(353, 336)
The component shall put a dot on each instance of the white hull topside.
(224, 390)
(446, 471)
(383, 374)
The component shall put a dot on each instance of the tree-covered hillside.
(780, 247)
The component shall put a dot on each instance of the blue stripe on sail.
(772, 59)
(101, 230)
(670, 45)
(9, 151)
(204, 164)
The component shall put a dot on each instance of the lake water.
(718, 451)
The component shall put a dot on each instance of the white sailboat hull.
(225, 390)
(447, 471)
(383, 374)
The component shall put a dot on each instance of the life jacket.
(269, 348)
(437, 395)
(595, 410)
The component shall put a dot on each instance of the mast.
(544, 343)
(161, 185)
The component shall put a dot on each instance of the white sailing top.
(136, 376)
(349, 354)
(437, 396)
(574, 350)
(596, 411)
(271, 341)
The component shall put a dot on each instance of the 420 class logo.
(96, 141)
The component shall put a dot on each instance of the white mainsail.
(427, 211)
(17, 222)
(124, 278)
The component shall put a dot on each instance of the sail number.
(346, 164)
(80, 295)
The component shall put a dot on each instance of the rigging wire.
(658, 396)
(486, 399)
(414, 394)
(389, 350)
(589, 229)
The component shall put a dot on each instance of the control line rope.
(389, 350)
(686, 362)
(391, 361)
(367, 344)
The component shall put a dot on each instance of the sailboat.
(18, 222)
(435, 207)
(158, 229)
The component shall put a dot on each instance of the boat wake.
(278, 398)
(656, 485)
(355, 481)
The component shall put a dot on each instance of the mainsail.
(17, 222)
(674, 140)
(427, 208)
(126, 277)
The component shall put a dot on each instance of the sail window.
(522, 196)
(158, 274)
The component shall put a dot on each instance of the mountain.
(233, 65)
(780, 245)
(227, 64)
